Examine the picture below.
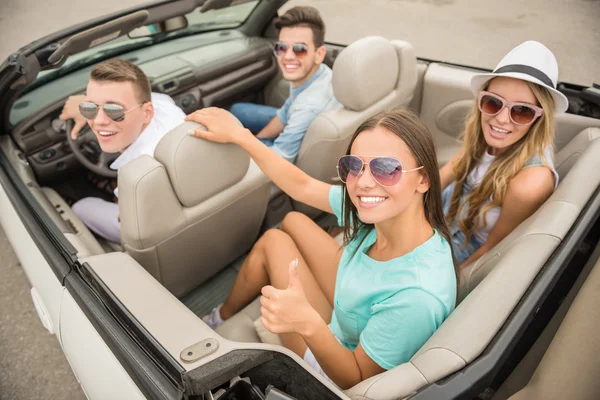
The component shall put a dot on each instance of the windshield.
(229, 17)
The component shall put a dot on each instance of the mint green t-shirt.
(391, 307)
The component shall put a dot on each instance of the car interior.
(191, 213)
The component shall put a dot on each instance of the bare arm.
(272, 130)
(344, 367)
(526, 192)
(447, 171)
(71, 111)
(288, 311)
(223, 128)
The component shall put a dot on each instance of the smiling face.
(376, 203)
(299, 68)
(113, 136)
(498, 130)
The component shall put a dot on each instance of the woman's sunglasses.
(520, 113)
(386, 171)
(115, 112)
(299, 49)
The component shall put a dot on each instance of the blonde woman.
(505, 171)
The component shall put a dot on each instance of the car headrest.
(365, 72)
(199, 169)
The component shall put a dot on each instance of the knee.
(237, 109)
(81, 207)
(292, 219)
(272, 237)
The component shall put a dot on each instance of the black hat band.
(526, 69)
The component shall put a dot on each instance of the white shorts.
(100, 216)
(310, 359)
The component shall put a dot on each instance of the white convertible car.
(127, 315)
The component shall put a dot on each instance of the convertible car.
(127, 315)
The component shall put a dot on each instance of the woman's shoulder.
(541, 158)
(531, 183)
(537, 171)
(436, 267)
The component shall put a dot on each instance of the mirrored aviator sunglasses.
(115, 112)
(299, 49)
(386, 171)
(520, 113)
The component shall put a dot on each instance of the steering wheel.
(88, 152)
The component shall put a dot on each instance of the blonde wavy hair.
(494, 183)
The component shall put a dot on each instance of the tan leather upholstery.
(489, 289)
(192, 209)
(240, 327)
(53, 204)
(569, 154)
(369, 76)
(75, 231)
(571, 366)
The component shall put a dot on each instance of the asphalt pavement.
(467, 32)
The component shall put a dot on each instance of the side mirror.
(169, 25)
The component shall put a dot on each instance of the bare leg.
(268, 263)
(321, 252)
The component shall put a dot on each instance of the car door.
(108, 363)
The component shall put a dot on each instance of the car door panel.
(97, 369)
(160, 313)
(47, 287)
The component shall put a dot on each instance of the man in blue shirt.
(300, 53)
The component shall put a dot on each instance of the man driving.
(126, 118)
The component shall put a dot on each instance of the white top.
(477, 174)
(166, 117)
(473, 180)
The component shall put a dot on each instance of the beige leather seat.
(192, 209)
(489, 289)
(371, 75)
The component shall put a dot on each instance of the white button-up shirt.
(166, 117)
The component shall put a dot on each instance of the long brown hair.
(408, 127)
(494, 183)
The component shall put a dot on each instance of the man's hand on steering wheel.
(71, 111)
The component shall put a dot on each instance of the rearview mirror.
(169, 25)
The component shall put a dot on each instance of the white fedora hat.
(530, 61)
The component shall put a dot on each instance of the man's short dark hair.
(117, 70)
(304, 16)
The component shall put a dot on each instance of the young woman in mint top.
(357, 310)
(504, 172)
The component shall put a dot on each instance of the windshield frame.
(108, 50)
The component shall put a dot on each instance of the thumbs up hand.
(288, 310)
